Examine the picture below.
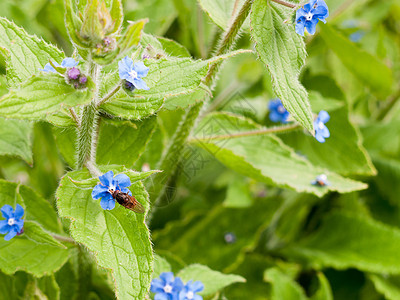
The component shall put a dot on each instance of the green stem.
(278, 129)
(228, 39)
(89, 126)
(109, 95)
(64, 239)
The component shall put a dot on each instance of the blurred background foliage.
(287, 245)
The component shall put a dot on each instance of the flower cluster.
(13, 224)
(309, 15)
(277, 112)
(168, 287)
(321, 131)
(108, 184)
(133, 73)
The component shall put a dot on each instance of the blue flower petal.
(301, 13)
(140, 84)
(7, 211)
(122, 180)
(325, 132)
(107, 203)
(157, 285)
(322, 9)
(69, 62)
(161, 296)
(13, 232)
(300, 28)
(48, 68)
(19, 212)
(4, 227)
(311, 25)
(319, 137)
(19, 224)
(167, 277)
(197, 297)
(140, 69)
(197, 286)
(125, 65)
(107, 178)
(323, 116)
(99, 191)
(178, 284)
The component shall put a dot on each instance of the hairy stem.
(229, 39)
(64, 239)
(109, 95)
(89, 126)
(278, 129)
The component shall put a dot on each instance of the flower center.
(321, 125)
(133, 74)
(281, 109)
(11, 221)
(309, 16)
(189, 295)
(168, 288)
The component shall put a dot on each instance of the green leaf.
(66, 143)
(347, 240)
(366, 67)
(166, 78)
(15, 139)
(115, 236)
(186, 100)
(264, 157)
(131, 37)
(345, 138)
(62, 118)
(283, 287)
(213, 281)
(238, 193)
(387, 285)
(127, 140)
(117, 14)
(26, 54)
(160, 265)
(283, 52)
(48, 285)
(34, 232)
(40, 96)
(172, 48)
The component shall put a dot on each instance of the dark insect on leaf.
(128, 201)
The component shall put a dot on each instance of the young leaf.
(283, 287)
(25, 54)
(160, 265)
(40, 96)
(347, 240)
(324, 291)
(15, 139)
(283, 52)
(213, 281)
(362, 64)
(264, 157)
(386, 285)
(115, 236)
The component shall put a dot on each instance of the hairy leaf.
(264, 157)
(283, 287)
(115, 236)
(283, 52)
(40, 96)
(25, 54)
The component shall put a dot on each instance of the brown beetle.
(128, 201)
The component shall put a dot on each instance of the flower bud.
(73, 73)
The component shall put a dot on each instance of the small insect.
(321, 180)
(128, 201)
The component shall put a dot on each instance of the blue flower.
(321, 180)
(166, 287)
(190, 289)
(321, 131)
(277, 112)
(108, 184)
(13, 223)
(308, 16)
(133, 72)
(68, 62)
